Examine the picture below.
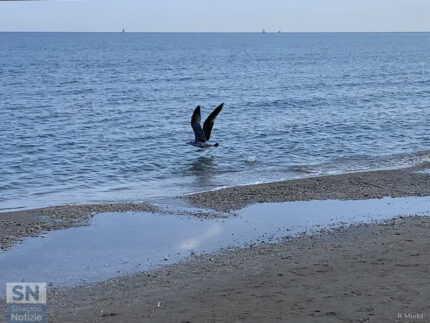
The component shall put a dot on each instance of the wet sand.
(31, 223)
(365, 273)
(392, 183)
(355, 274)
(363, 185)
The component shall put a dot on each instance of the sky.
(216, 15)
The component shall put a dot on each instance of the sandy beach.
(362, 185)
(369, 272)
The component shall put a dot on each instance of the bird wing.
(195, 124)
(209, 122)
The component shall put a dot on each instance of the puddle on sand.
(117, 244)
(424, 171)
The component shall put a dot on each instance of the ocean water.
(92, 117)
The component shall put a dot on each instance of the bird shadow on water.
(202, 169)
(202, 166)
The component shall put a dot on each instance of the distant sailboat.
(263, 31)
(123, 30)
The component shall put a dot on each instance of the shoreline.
(403, 182)
(17, 225)
(360, 272)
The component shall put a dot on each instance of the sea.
(105, 117)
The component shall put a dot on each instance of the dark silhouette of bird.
(202, 136)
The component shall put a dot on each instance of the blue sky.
(215, 15)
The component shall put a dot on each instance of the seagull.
(202, 136)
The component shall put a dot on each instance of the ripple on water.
(124, 116)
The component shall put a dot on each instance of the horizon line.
(213, 32)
